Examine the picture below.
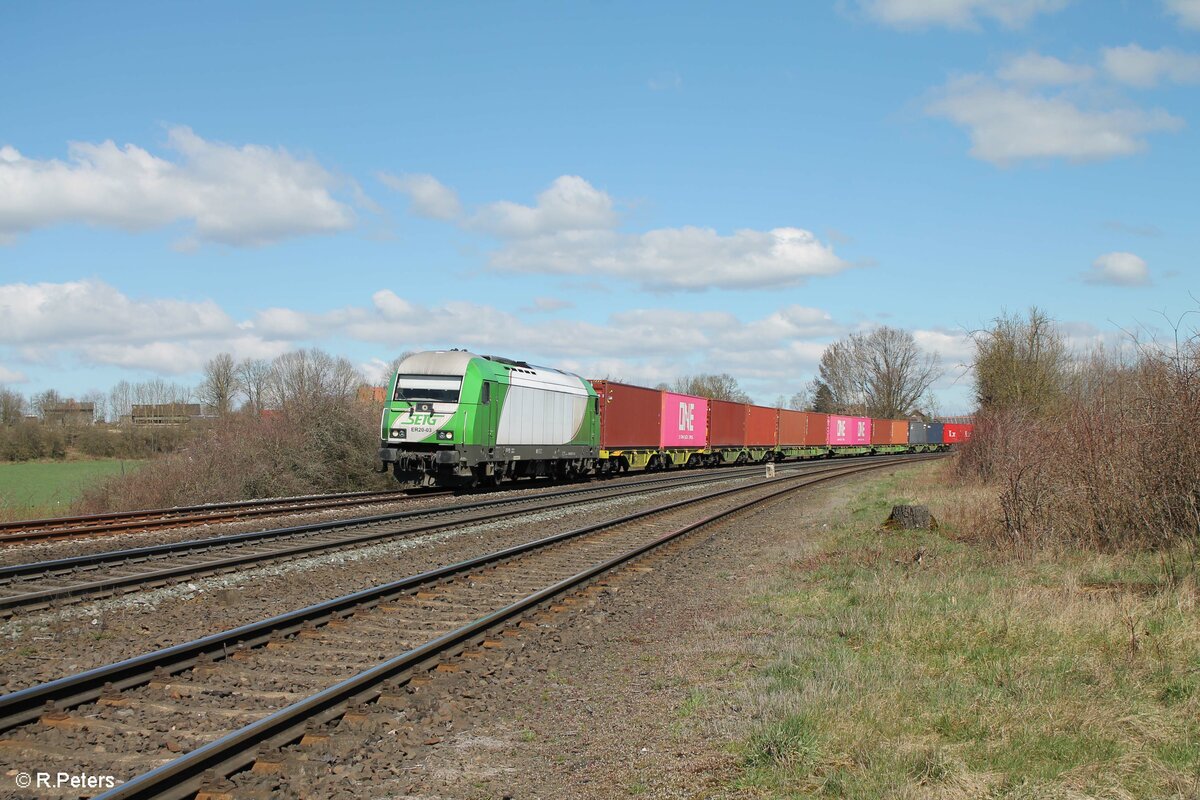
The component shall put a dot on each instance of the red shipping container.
(684, 421)
(793, 428)
(849, 430)
(956, 434)
(629, 415)
(726, 424)
(762, 426)
(899, 431)
(818, 429)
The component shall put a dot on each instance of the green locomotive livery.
(454, 418)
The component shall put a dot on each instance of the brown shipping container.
(762, 426)
(726, 424)
(818, 429)
(881, 431)
(629, 415)
(889, 431)
(793, 428)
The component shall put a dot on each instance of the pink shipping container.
(762, 426)
(684, 421)
(848, 430)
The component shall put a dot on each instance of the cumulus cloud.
(428, 196)
(1136, 66)
(102, 325)
(1186, 11)
(1008, 124)
(11, 375)
(1035, 69)
(1118, 269)
(967, 14)
(248, 195)
(573, 229)
(569, 204)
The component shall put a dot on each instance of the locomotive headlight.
(398, 433)
(447, 435)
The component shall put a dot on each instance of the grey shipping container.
(918, 433)
(935, 433)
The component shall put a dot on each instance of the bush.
(1116, 462)
(325, 447)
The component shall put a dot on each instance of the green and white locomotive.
(455, 418)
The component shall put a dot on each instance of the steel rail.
(529, 504)
(184, 776)
(27, 704)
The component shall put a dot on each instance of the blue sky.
(630, 190)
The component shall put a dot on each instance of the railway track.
(41, 584)
(40, 530)
(232, 699)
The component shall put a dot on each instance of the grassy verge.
(929, 665)
(46, 488)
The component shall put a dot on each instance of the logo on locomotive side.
(687, 416)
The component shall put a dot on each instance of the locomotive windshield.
(429, 388)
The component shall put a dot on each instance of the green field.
(46, 488)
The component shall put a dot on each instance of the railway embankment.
(819, 655)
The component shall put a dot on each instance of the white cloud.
(573, 230)
(11, 375)
(248, 195)
(677, 258)
(1187, 11)
(1136, 66)
(429, 196)
(569, 204)
(54, 313)
(1034, 69)
(545, 305)
(957, 13)
(667, 81)
(1008, 124)
(1118, 269)
(102, 325)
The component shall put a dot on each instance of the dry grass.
(1019, 672)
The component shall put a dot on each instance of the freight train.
(454, 418)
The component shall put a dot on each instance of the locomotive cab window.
(485, 396)
(428, 388)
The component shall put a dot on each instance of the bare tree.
(880, 374)
(254, 377)
(12, 406)
(120, 400)
(99, 401)
(895, 374)
(305, 378)
(799, 401)
(1021, 363)
(220, 383)
(714, 387)
(838, 372)
(44, 400)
